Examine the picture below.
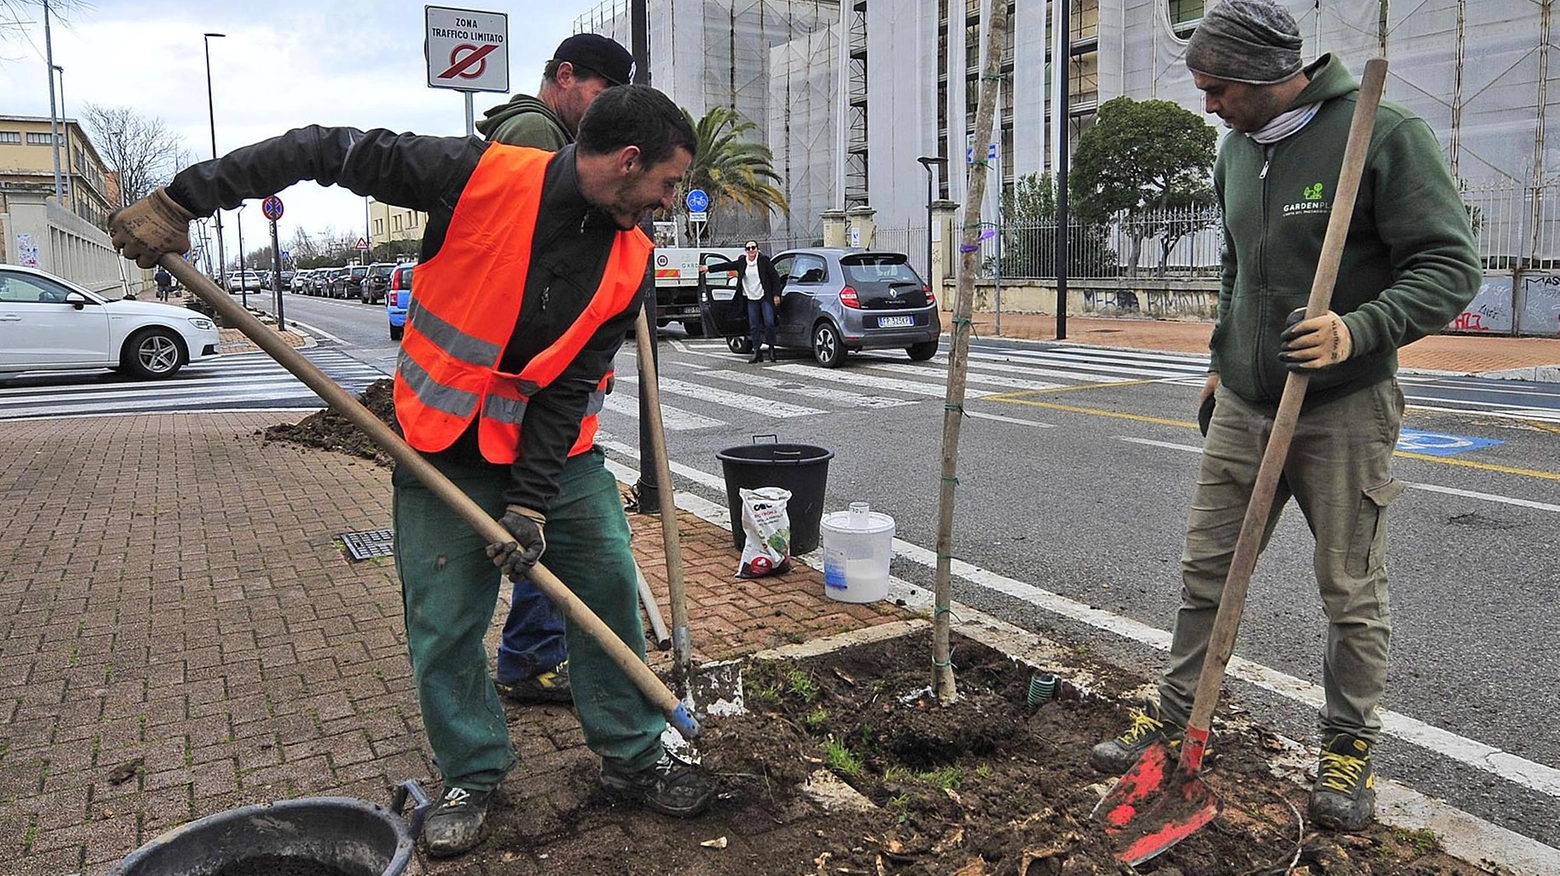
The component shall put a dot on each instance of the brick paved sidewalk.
(180, 633)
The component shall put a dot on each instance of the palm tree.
(728, 169)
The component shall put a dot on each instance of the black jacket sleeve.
(408, 170)
(737, 265)
(768, 277)
(552, 419)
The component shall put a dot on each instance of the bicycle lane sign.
(1439, 444)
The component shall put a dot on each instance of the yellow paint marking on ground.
(1482, 466)
(1019, 394)
(1082, 410)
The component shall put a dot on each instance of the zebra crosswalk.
(241, 381)
(697, 397)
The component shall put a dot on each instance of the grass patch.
(1423, 841)
(840, 759)
(816, 720)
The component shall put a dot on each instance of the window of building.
(395, 222)
(1083, 19)
(35, 138)
(414, 219)
(1184, 11)
(379, 227)
(10, 136)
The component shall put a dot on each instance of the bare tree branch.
(142, 150)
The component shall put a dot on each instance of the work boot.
(758, 355)
(671, 785)
(551, 686)
(1344, 797)
(1119, 754)
(454, 827)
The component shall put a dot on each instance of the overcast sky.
(283, 63)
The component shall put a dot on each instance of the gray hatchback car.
(837, 301)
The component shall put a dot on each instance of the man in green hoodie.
(1408, 269)
(532, 661)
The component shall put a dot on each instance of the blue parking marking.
(1437, 444)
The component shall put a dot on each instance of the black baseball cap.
(598, 54)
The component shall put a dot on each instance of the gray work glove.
(1309, 344)
(515, 558)
(154, 225)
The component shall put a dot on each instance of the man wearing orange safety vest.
(532, 272)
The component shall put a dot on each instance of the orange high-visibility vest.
(468, 298)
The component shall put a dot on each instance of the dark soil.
(988, 785)
(328, 430)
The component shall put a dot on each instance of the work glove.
(1205, 403)
(154, 225)
(1309, 344)
(515, 558)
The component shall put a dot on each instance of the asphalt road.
(1074, 473)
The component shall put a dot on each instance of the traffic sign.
(362, 244)
(698, 202)
(467, 49)
(699, 216)
(272, 208)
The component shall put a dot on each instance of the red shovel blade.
(1154, 806)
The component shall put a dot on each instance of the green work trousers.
(450, 589)
(1340, 474)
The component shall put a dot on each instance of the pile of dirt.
(328, 430)
(987, 786)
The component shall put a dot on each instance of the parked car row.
(366, 283)
(254, 281)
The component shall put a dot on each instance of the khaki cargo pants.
(1340, 474)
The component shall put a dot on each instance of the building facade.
(387, 222)
(849, 94)
(27, 165)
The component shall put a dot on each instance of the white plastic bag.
(767, 547)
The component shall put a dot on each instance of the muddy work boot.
(551, 686)
(1147, 727)
(1344, 797)
(454, 827)
(671, 785)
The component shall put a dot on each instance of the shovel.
(1161, 801)
(490, 530)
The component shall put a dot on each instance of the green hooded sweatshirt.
(1409, 265)
(525, 121)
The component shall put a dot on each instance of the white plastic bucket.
(857, 547)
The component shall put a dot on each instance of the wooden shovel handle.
(1221, 642)
(490, 530)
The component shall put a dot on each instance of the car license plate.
(895, 321)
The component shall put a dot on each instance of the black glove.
(1309, 344)
(515, 558)
(154, 225)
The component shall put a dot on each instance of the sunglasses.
(750, 248)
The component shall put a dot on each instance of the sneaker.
(672, 785)
(1147, 727)
(1344, 797)
(551, 686)
(454, 827)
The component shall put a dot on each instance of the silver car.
(838, 301)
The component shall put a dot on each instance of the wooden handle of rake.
(1221, 642)
(490, 530)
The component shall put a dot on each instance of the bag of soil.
(767, 548)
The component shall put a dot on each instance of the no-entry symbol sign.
(467, 49)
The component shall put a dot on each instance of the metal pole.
(1001, 191)
(276, 277)
(471, 116)
(54, 125)
(70, 190)
(368, 231)
(211, 112)
(647, 491)
(243, 287)
(1064, 44)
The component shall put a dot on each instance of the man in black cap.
(533, 659)
(1408, 268)
(583, 66)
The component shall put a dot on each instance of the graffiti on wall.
(1540, 305)
(1490, 312)
(26, 249)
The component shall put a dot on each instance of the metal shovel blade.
(1154, 806)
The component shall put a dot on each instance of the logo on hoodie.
(1310, 202)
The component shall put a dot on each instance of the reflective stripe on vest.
(464, 312)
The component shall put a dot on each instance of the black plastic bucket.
(800, 468)
(314, 836)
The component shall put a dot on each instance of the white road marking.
(673, 419)
(823, 393)
(855, 377)
(970, 376)
(740, 401)
(1014, 420)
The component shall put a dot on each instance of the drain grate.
(369, 543)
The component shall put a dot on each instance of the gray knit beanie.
(1253, 41)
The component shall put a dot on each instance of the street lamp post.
(243, 287)
(927, 161)
(211, 112)
(54, 125)
(70, 190)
